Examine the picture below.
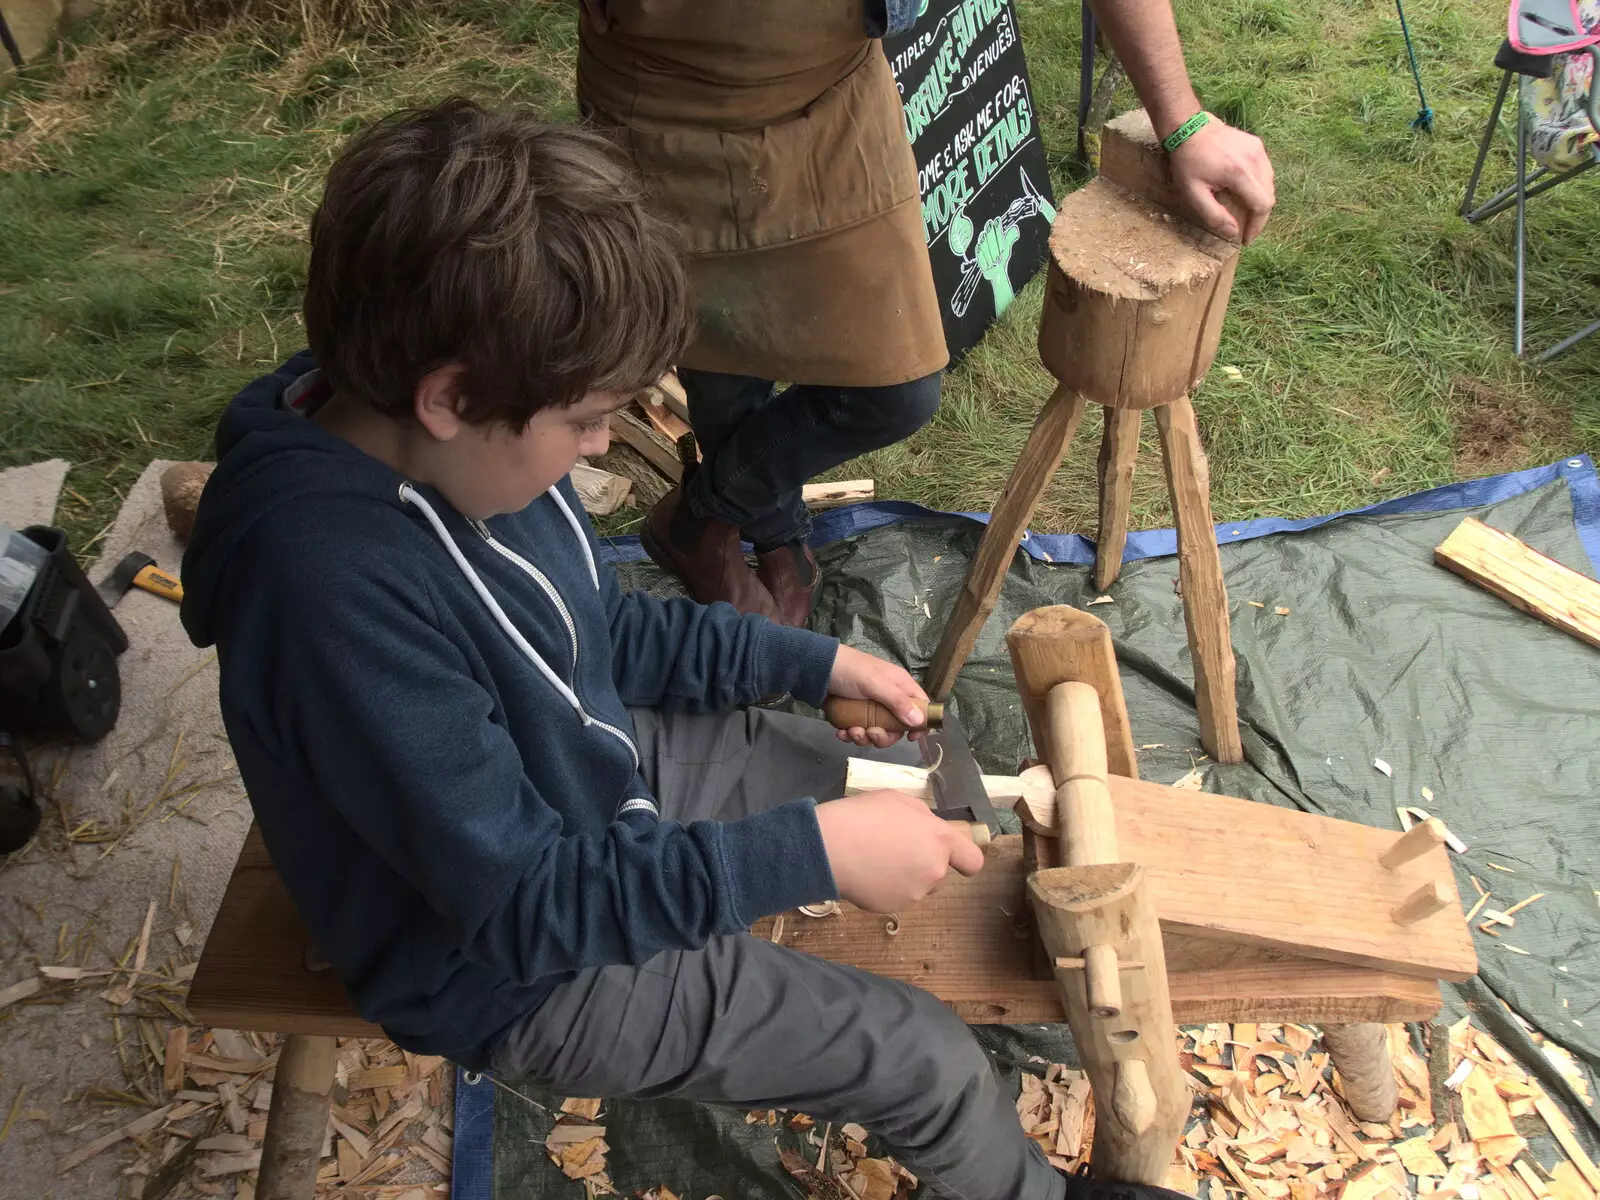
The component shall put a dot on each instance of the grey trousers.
(748, 1023)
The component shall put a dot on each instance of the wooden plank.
(1205, 596)
(1523, 578)
(602, 492)
(660, 453)
(1330, 896)
(836, 495)
(1119, 447)
(1046, 446)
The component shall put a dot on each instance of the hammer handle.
(154, 579)
(869, 714)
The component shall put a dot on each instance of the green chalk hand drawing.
(992, 257)
(994, 260)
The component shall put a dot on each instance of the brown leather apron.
(772, 131)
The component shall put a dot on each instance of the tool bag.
(58, 653)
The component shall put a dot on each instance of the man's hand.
(887, 849)
(860, 676)
(1219, 158)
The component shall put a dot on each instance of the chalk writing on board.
(971, 120)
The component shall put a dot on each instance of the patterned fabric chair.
(1551, 50)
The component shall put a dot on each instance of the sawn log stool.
(1132, 315)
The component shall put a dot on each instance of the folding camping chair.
(1551, 48)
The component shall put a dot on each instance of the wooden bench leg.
(298, 1119)
(1119, 447)
(1046, 446)
(1360, 1054)
(1205, 597)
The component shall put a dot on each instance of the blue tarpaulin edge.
(473, 1167)
(1076, 549)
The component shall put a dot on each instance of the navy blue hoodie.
(428, 715)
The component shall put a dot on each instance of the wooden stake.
(1419, 839)
(1119, 447)
(1360, 1053)
(1205, 597)
(1050, 645)
(1428, 899)
(1046, 446)
(298, 1118)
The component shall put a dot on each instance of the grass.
(155, 188)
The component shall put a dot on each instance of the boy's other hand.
(861, 676)
(888, 850)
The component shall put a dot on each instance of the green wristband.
(1184, 132)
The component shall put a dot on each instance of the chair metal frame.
(1525, 186)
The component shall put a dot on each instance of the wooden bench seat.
(963, 944)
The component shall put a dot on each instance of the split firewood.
(602, 492)
(665, 422)
(659, 452)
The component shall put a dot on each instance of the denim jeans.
(760, 446)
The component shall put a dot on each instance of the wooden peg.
(1076, 964)
(1419, 839)
(1101, 981)
(1428, 899)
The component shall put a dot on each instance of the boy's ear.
(439, 399)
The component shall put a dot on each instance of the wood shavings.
(20, 990)
(1102, 600)
(1384, 767)
(1255, 604)
(1189, 782)
(1259, 1140)
(828, 908)
(1281, 612)
(1522, 904)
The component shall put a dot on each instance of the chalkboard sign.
(971, 119)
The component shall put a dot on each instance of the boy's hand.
(888, 850)
(861, 676)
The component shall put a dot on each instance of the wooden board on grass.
(1523, 577)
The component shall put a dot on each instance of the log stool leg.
(1119, 447)
(1205, 597)
(1046, 447)
(1360, 1054)
(301, 1094)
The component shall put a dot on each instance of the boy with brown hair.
(523, 813)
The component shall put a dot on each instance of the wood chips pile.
(389, 1135)
(1272, 1125)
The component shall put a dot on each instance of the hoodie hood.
(268, 454)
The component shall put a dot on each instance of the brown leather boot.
(792, 576)
(704, 553)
